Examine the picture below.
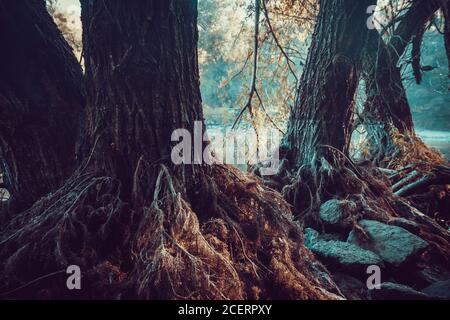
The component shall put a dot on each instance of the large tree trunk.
(445, 5)
(41, 100)
(320, 126)
(322, 117)
(386, 96)
(387, 111)
(420, 12)
(386, 108)
(142, 79)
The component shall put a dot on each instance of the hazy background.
(226, 42)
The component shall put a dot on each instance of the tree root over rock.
(368, 189)
(308, 187)
(242, 244)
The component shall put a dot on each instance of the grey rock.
(395, 291)
(338, 254)
(439, 290)
(334, 212)
(393, 244)
(333, 236)
(346, 255)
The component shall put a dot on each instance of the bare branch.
(248, 105)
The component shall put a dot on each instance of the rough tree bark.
(320, 126)
(445, 4)
(41, 99)
(142, 84)
(387, 109)
(386, 95)
(314, 149)
(323, 113)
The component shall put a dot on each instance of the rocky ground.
(396, 248)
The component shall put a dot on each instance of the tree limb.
(414, 19)
(248, 105)
(445, 5)
(416, 54)
(288, 60)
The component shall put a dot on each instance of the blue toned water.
(439, 140)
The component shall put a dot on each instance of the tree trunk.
(41, 100)
(445, 5)
(420, 12)
(142, 81)
(386, 96)
(322, 117)
(387, 109)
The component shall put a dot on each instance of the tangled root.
(411, 149)
(337, 178)
(76, 225)
(242, 244)
(266, 241)
(368, 189)
(394, 150)
(174, 258)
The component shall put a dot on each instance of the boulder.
(439, 290)
(345, 254)
(334, 212)
(339, 254)
(395, 291)
(393, 244)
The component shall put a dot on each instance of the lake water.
(436, 139)
(439, 140)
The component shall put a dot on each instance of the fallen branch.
(386, 171)
(439, 176)
(406, 180)
(419, 184)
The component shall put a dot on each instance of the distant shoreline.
(439, 140)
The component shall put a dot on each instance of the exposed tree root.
(438, 175)
(242, 244)
(396, 150)
(311, 185)
(226, 236)
(427, 187)
(411, 149)
(369, 191)
(72, 226)
(412, 170)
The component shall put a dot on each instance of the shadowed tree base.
(240, 243)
